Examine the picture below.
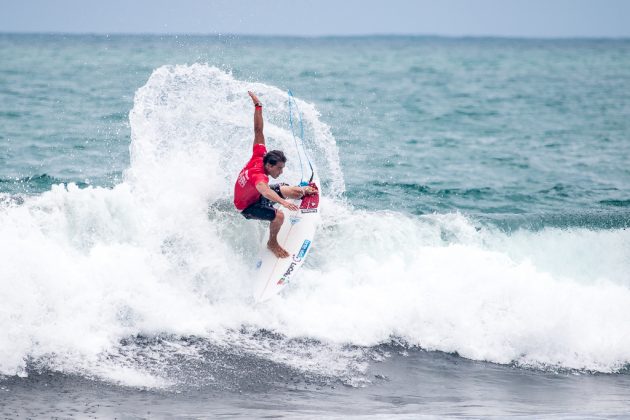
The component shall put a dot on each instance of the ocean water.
(473, 257)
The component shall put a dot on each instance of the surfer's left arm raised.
(259, 137)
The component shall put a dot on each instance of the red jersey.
(245, 192)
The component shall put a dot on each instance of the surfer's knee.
(279, 217)
(293, 192)
(287, 191)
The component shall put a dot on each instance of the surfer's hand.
(289, 205)
(254, 97)
(310, 191)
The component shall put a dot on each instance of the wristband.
(258, 105)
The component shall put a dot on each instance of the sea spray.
(164, 255)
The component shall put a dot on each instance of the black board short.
(263, 208)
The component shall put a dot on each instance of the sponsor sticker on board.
(304, 248)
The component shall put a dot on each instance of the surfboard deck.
(296, 236)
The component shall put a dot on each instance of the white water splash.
(165, 253)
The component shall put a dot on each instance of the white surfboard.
(296, 236)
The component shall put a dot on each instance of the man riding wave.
(254, 196)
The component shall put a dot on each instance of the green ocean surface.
(532, 131)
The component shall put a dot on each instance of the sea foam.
(164, 254)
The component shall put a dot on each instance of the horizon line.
(320, 36)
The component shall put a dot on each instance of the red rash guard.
(245, 192)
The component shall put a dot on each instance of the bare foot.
(277, 249)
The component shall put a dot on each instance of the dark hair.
(274, 157)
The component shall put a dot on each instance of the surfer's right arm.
(265, 191)
(259, 137)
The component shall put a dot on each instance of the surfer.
(254, 196)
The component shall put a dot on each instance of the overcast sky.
(515, 18)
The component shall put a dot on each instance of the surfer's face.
(274, 171)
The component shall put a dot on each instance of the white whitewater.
(165, 253)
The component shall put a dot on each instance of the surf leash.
(293, 104)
